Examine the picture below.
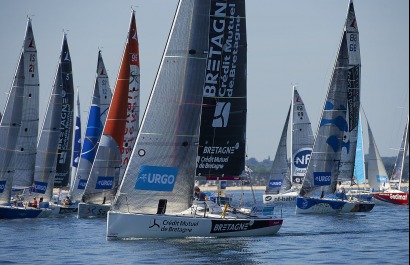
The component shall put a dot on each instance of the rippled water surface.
(378, 237)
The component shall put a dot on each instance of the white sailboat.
(379, 182)
(333, 151)
(100, 102)
(284, 185)
(193, 98)
(18, 133)
(119, 135)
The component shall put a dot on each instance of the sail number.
(353, 46)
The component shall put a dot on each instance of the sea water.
(377, 237)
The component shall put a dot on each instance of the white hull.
(58, 210)
(123, 226)
(90, 210)
(288, 197)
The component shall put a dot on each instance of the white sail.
(376, 172)
(100, 102)
(302, 139)
(279, 179)
(401, 156)
(18, 126)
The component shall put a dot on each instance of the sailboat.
(100, 102)
(119, 135)
(284, 184)
(76, 143)
(199, 94)
(379, 182)
(18, 133)
(49, 142)
(333, 150)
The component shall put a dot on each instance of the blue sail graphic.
(359, 171)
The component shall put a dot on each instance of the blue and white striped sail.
(339, 117)
(359, 166)
(18, 126)
(100, 103)
(77, 141)
(47, 147)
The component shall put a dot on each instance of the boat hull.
(288, 197)
(122, 226)
(391, 197)
(324, 206)
(11, 212)
(90, 210)
(62, 210)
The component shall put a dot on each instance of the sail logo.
(2, 186)
(381, 179)
(302, 158)
(81, 184)
(104, 183)
(40, 187)
(223, 227)
(275, 183)
(156, 178)
(322, 178)
(221, 115)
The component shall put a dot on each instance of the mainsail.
(65, 142)
(26, 146)
(47, 147)
(19, 109)
(121, 127)
(339, 117)
(401, 156)
(100, 103)
(279, 178)
(301, 139)
(221, 152)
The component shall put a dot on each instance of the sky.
(289, 42)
